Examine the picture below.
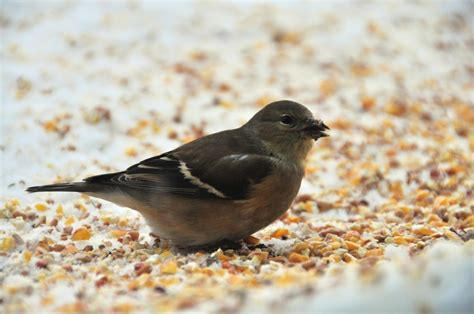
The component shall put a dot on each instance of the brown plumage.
(223, 186)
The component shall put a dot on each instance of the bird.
(223, 186)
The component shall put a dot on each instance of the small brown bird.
(221, 187)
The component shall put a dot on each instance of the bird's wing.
(234, 175)
(228, 177)
(223, 165)
(160, 174)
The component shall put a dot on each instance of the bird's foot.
(229, 245)
(258, 246)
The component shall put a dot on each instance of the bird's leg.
(229, 245)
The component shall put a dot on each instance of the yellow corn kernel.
(334, 258)
(124, 308)
(352, 245)
(6, 244)
(168, 267)
(117, 233)
(222, 257)
(70, 249)
(41, 207)
(166, 254)
(422, 195)
(297, 258)
(468, 222)
(69, 220)
(60, 210)
(123, 222)
(298, 247)
(348, 258)
(226, 104)
(400, 240)
(375, 252)
(131, 151)
(327, 87)
(262, 256)
(47, 300)
(423, 231)
(285, 279)
(12, 203)
(81, 234)
(27, 256)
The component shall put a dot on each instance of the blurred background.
(106, 71)
(95, 86)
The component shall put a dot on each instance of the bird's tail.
(62, 187)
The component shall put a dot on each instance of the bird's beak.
(316, 129)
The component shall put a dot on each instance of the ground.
(384, 218)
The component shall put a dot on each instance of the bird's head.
(287, 127)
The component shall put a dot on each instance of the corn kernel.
(60, 210)
(6, 244)
(280, 233)
(375, 252)
(327, 87)
(226, 104)
(69, 220)
(81, 234)
(166, 254)
(334, 258)
(368, 102)
(131, 151)
(123, 222)
(468, 222)
(262, 256)
(298, 247)
(12, 203)
(41, 207)
(168, 267)
(422, 195)
(400, 240)
(352, 245)
(70, 249)
(27, 256)
(348, 258)
(118, 233)
(423, 231)
(297, 258)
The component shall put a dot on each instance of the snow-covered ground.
(384, 221)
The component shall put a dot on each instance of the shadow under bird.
(221, 187)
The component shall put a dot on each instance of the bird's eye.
(286, 119)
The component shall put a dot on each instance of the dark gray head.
(288, 117)
(287, 128)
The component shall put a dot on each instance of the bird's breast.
(273, 196)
